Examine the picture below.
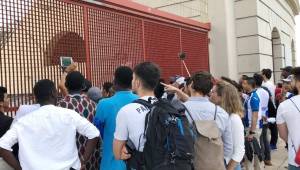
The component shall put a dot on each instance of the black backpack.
(271, 106)
(169, 139)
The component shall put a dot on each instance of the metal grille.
(162, 46)
(115, 39)
(35, 33)
(195, 45)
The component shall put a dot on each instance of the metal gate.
(35, 33)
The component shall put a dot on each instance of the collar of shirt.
(149, 98)
(123, 92)
(199, 98)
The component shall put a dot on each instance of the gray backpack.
(209, 152)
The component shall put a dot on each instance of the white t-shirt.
(288, 113)
(237, 129)
(130, 123)
(271, 87)
(24, 110)
(264, 101)
(47, 138)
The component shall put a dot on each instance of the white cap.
(180, 80)
(288, 79)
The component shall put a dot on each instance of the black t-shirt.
(5, 123)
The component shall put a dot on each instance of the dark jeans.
(274, 133)
(264, 143)
(292, 167)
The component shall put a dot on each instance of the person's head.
(243, 80)
(123, 78)
(87, 85)
(266, 73)
(249, 84)
(226, 95)
(296, 73)
(160, 89)
(146, 76)
(107, 90)
(179, 82)
(75, 82)
(258, 79)
(94, 94)
(279, 85)
(232, 82)
(45, 92)
(288, 83)
(201, 83)
(286, 71)
(4, 103)
(186, 89)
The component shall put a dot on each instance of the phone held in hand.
(65, 62)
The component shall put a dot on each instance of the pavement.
(279, 158)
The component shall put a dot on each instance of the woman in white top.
(227, 96)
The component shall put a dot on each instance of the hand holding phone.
(65, 61)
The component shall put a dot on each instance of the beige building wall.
(241, 34)
(193, 9)
(257, 46)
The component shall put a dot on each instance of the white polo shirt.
(130, 123)
(46, 138)
(288, 113)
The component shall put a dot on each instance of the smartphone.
(65, 61)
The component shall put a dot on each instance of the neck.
(197, 94)
(118, 88)
(143, 92)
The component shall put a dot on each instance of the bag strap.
(148, 105)
(215, 116)
(190, 115)
(293, 145)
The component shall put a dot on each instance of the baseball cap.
(180, 80)
(287, 69)
(94, 93)
(288, 79)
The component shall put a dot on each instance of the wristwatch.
(251, 133)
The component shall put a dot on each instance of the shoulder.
(222, 112)
(235, 118)
(285, 106)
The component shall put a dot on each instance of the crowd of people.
(142, 122)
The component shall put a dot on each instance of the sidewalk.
(279, 158)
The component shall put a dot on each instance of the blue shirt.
(252, 105)
(105, 119)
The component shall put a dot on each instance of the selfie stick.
(182, 56)
(187, 70)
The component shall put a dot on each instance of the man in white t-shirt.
(267, 74)
(46, 136)
(130, 120)
(264, 98)
(288, 118)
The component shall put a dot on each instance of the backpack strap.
(299, 112)
(215, 116)
(190, 115)
(144, 103)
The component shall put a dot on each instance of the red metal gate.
(100, 37)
